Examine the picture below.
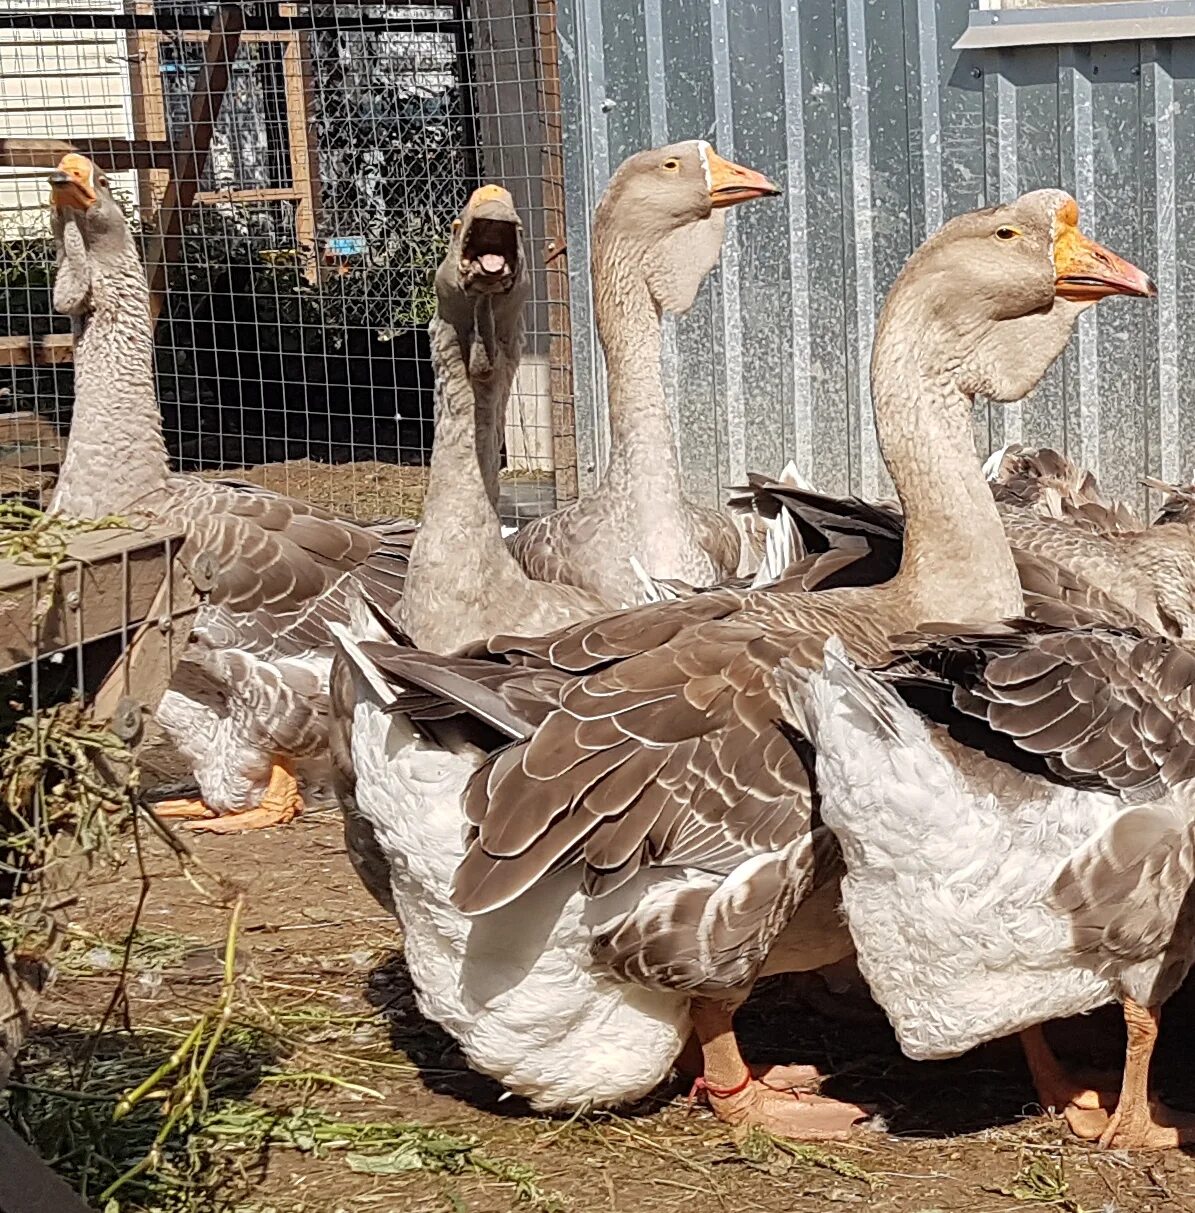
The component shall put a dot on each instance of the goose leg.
(690, 1065)
(185, 808)
(1081, 1101)
(281, 803)
(1138, 1123)
(740, 1095)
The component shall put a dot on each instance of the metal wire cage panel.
(292, 172)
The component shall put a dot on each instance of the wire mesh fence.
(292, 172)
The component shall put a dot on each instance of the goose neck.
(957, 563)
(643, 457)
(116, 455)
(460, 532)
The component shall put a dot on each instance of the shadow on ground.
(793, 1020)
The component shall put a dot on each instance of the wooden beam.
(304, 168)
(106, 586)
(113, 155)
(209, 197)
(211, 83)
(149, 110)
(560, 339)
(249, 35)
(50, 350)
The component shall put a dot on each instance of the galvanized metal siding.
(877, 130)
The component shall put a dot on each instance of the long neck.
(498, 342)
(957, 564)
(460, 537)
(116, 454)
(643, 458)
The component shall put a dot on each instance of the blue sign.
(346, 246)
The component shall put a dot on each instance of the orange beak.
(71, 183)
(731, 183)
(1086, 272)
(490, 193)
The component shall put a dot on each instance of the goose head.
(664, 212)
(993, 296)
(80, 193)
(486, 256)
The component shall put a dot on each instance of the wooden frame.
(169, 173)
(106, 586)
(560, 349)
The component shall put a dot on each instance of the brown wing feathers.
(673, 748)
(281, 566)
(1103, 707)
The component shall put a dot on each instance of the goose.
(1144, 576)
(1054, 485)
(248, 705)
(657, 233)
(482, 286)
(845, 541)
(641, 842)
(1017, 816)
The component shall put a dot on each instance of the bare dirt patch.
(331, 1094)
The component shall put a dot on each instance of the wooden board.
(107, 586)
(190, 158)
(116, 155)
(29, 441)
(49, 350)
(133, 687)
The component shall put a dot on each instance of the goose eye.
(670, 166)
(1007, 233)
(102, 182)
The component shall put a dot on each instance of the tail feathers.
(812, 696)
(995, 461)
(781, 551)
(790, 475)
(449, 679)
(348, 641)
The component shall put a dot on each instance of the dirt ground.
(377, 490)
(330, 1094)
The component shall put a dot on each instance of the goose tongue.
(492, 263)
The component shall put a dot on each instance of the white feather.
(514, 986)
(991, 467)
(781, 549)
(790, 475)
(948, 871)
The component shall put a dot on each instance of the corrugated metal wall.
(877, 130)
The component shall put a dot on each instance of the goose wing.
(1127, 888)
(543, 547)
(662, 750)
(279, 569)
(1098, 707)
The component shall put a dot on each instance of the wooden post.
(506, 66)
(224, 39)
(304, 169)
(560, 339)
(149, 109)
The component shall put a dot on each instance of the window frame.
(993, 25)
